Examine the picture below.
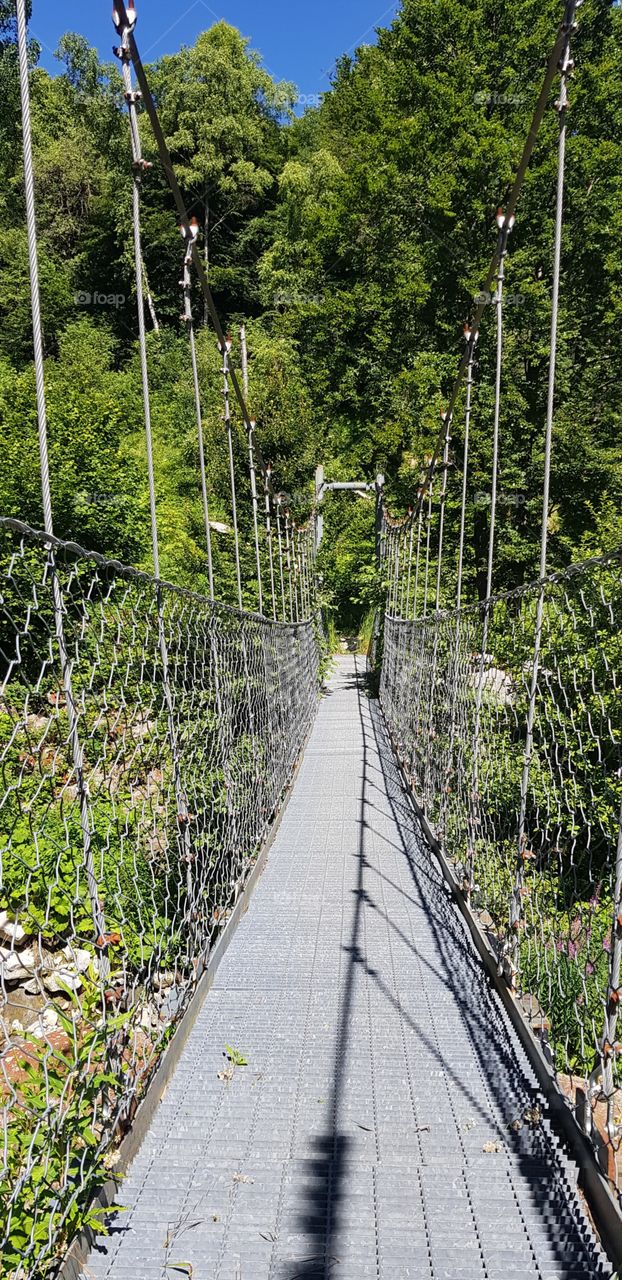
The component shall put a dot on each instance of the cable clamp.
(122, 27)
(193, 232)
(570, 24)
(566, 65)
(503, 222)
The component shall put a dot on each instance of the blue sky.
(299, 42)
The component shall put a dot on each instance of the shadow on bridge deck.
(373, 1132)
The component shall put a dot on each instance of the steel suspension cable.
(505, 226)
(279, 530)
(33, 260)
(443, 504)
(225, 348)
(268, 515)
(427, 547)
(288, 551)
(139, 168)
(251, 462)
(76, 749)
(406, 574)
(471, 339)
(124, 26)
(297, 570)
(566, 65)
(395, 568)
(410, 567)
(189, 321)
(303, 571)
(418, 563)
(300, 570)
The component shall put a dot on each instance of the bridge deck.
(368, 1135)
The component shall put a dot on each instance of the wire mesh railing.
(531, 820)
(147, 736)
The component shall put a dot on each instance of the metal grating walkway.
(368, 1135)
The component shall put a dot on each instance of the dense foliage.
(352, 241)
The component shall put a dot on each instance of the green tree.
(221, 113)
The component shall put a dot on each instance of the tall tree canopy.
(352, 241)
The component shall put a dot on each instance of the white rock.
(11, 931)
(61, 981)
(79, 960)
(496, 683)
(17, 966)
(17, 1027)
(162, 980)
(149, 1018)
(48, 1021)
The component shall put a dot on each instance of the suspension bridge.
(312, 982)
